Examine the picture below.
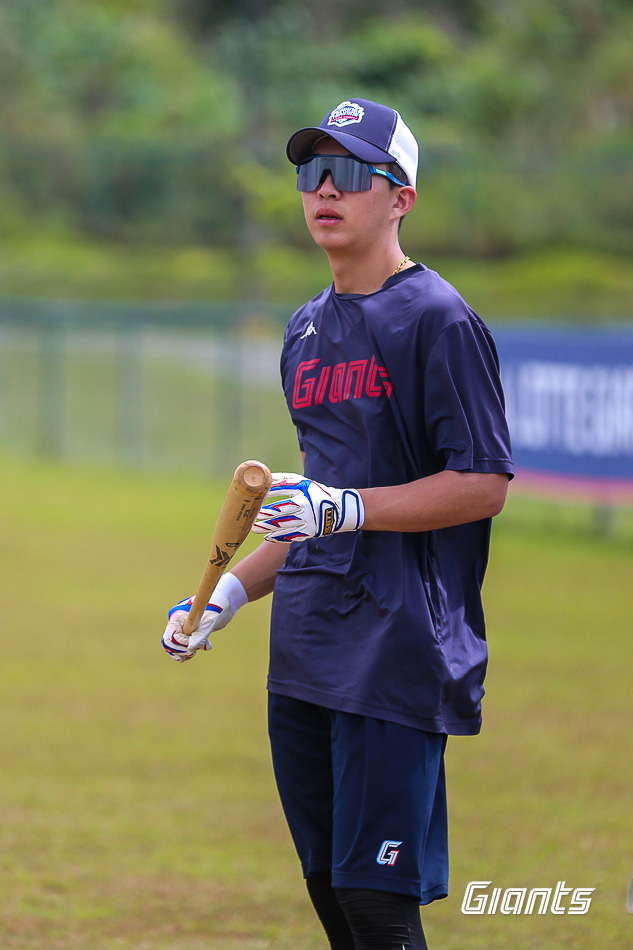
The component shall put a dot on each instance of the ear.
(404, 199)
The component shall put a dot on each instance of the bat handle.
(249, 486)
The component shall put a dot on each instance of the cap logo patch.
(348, 113)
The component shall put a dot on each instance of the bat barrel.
(253, 477)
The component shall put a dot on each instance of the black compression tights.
(364, 919)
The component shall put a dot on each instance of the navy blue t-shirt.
(383, 389)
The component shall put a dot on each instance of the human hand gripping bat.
(297, 508)
(192, 620)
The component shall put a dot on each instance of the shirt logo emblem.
(347, 113)
(352, 380)
(310, 331)
(388, 853)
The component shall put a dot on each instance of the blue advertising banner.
(569, 396)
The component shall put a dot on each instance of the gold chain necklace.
(400, 266)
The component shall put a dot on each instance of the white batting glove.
(227, 598)
(297, 508)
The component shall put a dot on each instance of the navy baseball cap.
(368, 130)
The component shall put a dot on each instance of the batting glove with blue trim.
(227, 598)
(297, 508)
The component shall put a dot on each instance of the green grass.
(138, 807)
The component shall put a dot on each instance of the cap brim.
(301, 144)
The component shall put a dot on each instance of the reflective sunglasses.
(348, 174)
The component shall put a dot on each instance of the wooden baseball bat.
(247, 490)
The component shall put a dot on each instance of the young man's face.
(350, 220)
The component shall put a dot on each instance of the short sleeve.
(464, 404)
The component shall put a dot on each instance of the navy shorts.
(363, 798)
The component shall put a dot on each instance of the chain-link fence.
(182, 387)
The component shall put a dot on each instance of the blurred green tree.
(164, 120)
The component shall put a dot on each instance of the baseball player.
(377, 551)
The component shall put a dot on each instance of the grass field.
(138, 810)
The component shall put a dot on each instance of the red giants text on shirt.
(313, 383)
